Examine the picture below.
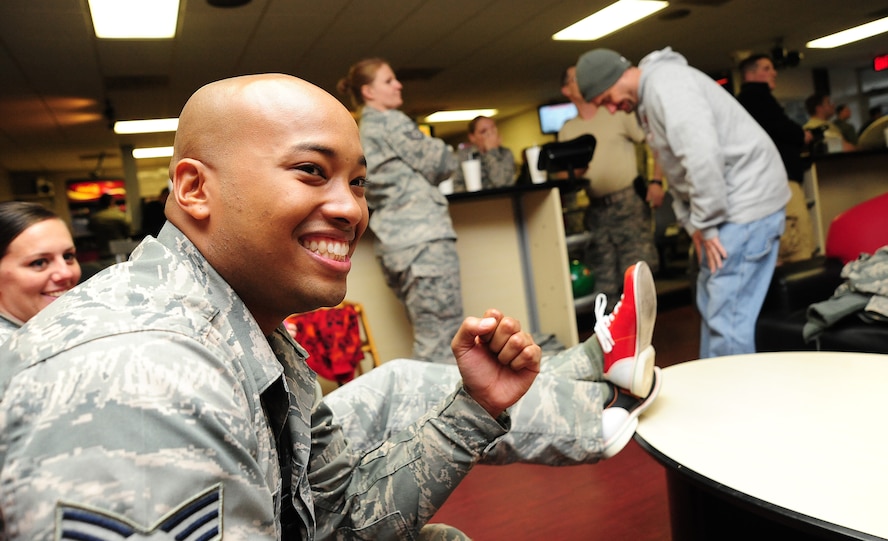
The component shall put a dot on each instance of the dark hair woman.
(38, 262)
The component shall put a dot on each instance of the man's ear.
(190, 188)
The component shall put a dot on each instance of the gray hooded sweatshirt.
(720, 163)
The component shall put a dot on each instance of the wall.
(521, 131)
(22, 186)
(152, 181)
(5, 186)
(795, 84)
(517, 132)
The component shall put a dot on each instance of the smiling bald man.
(163, 398)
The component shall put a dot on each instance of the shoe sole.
(619, 441)
(643, 378)
(645, 292)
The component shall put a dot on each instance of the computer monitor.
(554, 115)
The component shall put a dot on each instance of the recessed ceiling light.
(134, 19)
(610, 19)
(456, 116)
(152, 152)
(851, 35)
(154, 125)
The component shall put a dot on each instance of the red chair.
(337, 339)
(862, 228)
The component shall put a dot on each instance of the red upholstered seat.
(335, 340)
(862, 228)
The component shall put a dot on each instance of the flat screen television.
(554, 115)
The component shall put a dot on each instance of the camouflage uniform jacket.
(404, 168)
(497, 168)
(863, 293)
(7, 327)
(147, 401)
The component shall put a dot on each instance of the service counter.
(840, 180)
(513, 256)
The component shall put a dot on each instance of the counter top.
(835, 156)
(515, 189)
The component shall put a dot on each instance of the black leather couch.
(794, 287)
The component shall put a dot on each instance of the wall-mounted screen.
(89, 190)
(554, 115)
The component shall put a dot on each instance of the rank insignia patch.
(197, 519)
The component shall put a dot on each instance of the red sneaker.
(625, 334)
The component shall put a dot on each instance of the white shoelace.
(602, 322)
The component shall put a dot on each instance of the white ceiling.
(56, 77)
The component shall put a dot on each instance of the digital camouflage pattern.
(150, 389)
(497, 168)
(864, 293)
(557, 423)
(868, 274)
(404, 168)
(622, 234)
(411, 220)
(426, 279)
(7, 327)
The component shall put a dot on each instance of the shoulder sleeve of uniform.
(137, 427)
(412, 472)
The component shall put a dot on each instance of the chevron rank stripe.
(197, 519)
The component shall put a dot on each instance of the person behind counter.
(415, 241)
(497, 161)
(842, 121)
(821, 110)
(617, 218)
(38, 262)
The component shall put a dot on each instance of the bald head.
(223, 111)
(264, 168)
(224, 118)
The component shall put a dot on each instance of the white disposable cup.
(446, 186)
(472, 174)
(537, 176)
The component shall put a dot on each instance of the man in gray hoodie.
(729, 185)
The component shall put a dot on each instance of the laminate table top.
(804, 434)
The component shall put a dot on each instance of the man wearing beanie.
(729, 184)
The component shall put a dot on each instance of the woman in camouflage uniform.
(415, 240)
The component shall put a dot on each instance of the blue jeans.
(730, 299)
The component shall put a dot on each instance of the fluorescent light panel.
(154, 125)
(851, 35)
(456, 116)
(152, 152)
(134, 19)
(609, 20)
